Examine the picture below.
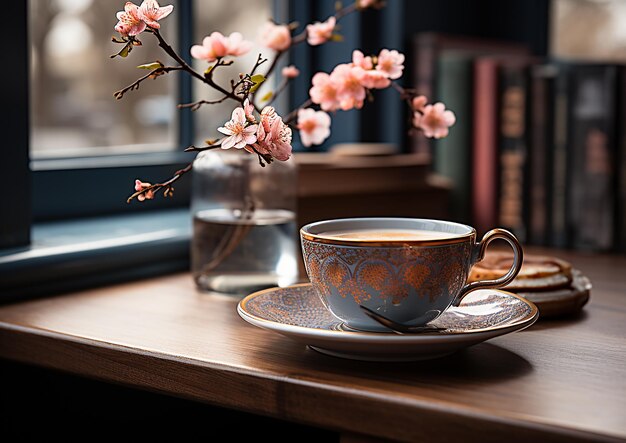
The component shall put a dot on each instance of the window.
(81, 135)
(86, 148)
(589, 30)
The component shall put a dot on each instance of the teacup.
(408, 270)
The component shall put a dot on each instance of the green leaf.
(151, 66)
(267, 96)
(209, 69)
(125, 51)
(257, 79)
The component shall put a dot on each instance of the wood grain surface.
(557, 381)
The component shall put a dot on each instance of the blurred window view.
(589, 29)
(73, 111)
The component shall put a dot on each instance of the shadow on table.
(560, 322)
(482, 362)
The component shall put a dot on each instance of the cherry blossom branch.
(152, 74)
(194, 106)
(279, 90)
(208, 79)
(193, 148)
(259, 61)
(293, 114)
(262, 157)
(166, 186)
(302, 36)
(339, 14)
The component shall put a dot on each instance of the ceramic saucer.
(298, 313)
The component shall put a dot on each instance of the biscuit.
(538, 273)
(561, 302)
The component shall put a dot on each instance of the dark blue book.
(590, 207)
(541, 128)
(513, 139)
(620, 177)
(558, 161)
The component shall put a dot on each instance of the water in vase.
(237, 253)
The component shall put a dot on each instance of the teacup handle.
(518, 257)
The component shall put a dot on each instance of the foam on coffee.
(388, 234)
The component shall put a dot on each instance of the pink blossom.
(150, 12)
(324, 92)
(130, 22)
(248, 109)
(374, 79)
(364, 4)
(314, 126)
(273, 135)
(140, 186)
(434, 120)
(419, 102)
(318, 33)
(238, 134)
(290, 71)
(358, 59)
(217, 46)
(390, 62)
(350, 91)
(276, 37)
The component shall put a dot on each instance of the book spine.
(512, 149)
(620, 231)
(590, 193)
(484, 161)
(541, 129)
(452, 154)
(425, 52)
(558, 182)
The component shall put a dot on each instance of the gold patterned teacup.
(408, 270)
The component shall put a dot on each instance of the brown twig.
(259, 61)
(193, 148)
(194, 106)
(293, 114)
(267, 157)
(279, 90)
(166, 186)
(152, 74)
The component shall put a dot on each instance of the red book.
(484, 166)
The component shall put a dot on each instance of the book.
(485, 186)
(620, 197)
(558, 171)
(452, 154)
(512, 146)
(541, 129)
(427, 47)
(590, 209)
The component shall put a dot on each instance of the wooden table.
(557, 381)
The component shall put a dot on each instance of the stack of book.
(539, 146)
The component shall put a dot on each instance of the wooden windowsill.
(557, 381)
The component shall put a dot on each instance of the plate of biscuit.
(552, 284)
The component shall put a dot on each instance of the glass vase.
(244, 223)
